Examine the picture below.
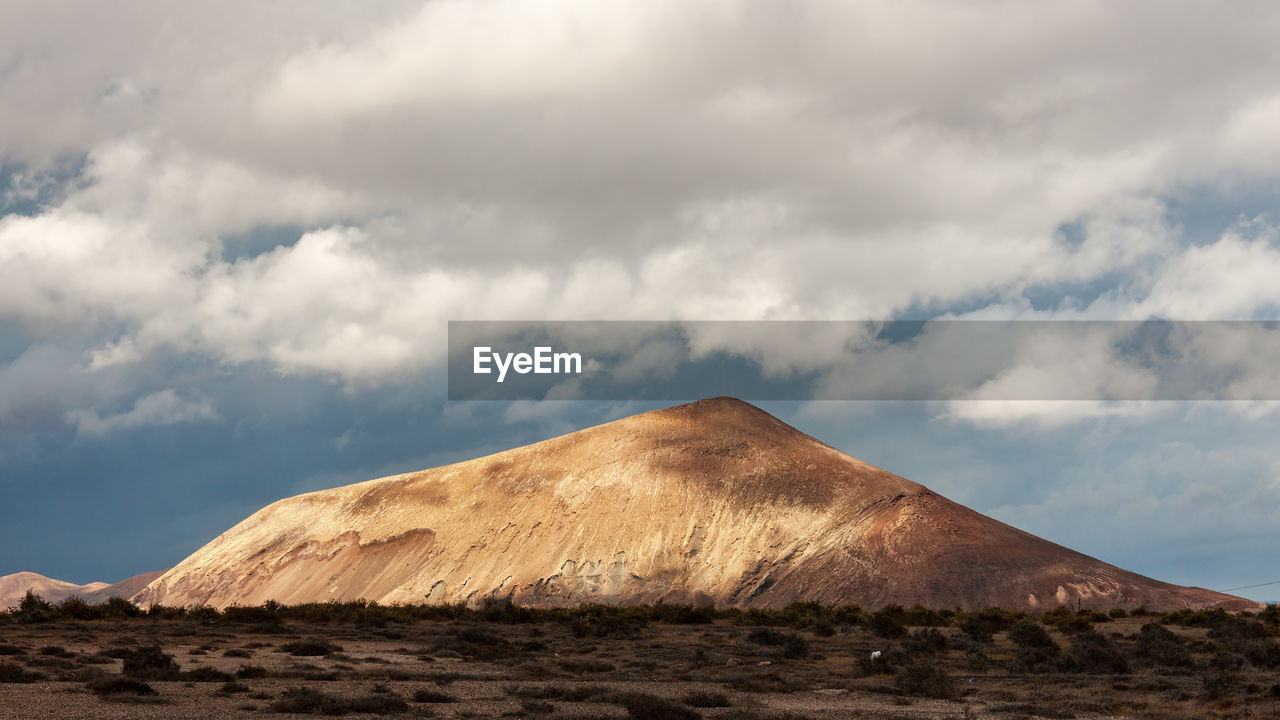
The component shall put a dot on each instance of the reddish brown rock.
(714, 501)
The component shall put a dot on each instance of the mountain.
(14, 587)
(713, 501)
(126, 588)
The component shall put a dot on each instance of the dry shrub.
(150, 663)
(926, 642)
(793, 646)
(888, 623)
(644, 706)
(566, 693)
(1093, 652)
(1157, 646)
(981, 625)
(428, 695)
(310, 648)
(1219, 684)
(118, 685)
(926, 679)
(1037, 652)
(15, 673)
(1027, 634)
(308, 701)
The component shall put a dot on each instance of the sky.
(232, 235)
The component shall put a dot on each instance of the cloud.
(46, 379)
(160, 408)
(543, 160)
(1043, 415)
(1230, 279)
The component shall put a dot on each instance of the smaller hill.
(14, 587)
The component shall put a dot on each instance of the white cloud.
(1233, 278)
(1054, 363)
(652, 160)
(121, 352)
(1044, 415)
(160, 408)
(1249, 139)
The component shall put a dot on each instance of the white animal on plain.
(875, 655)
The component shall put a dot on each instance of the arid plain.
(656, 663)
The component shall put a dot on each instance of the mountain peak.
(724, 411)
(719, 404)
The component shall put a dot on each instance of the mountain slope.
(711, 501)
(126, 588)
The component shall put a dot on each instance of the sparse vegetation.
(308, 701)
(1069, 622)
(567, 693)
(428, 695)
(1093, 652)
(150, 663)
(888, 622)
(644, 706)
(1219, 684)
(1037, 652)
(573, 662)
(793, 646)
(927, 641)
(35, 609)
(310, 648)
(925, 678)
(117, 685)
(1156, 646)
(982, 625)
(14, 673)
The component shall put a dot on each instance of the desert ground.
(806, 662)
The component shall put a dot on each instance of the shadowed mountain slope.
(713, 501)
